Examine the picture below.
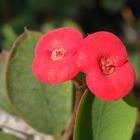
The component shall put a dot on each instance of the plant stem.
(70, 128)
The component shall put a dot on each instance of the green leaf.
(5, 136)
(46, 107)
(3, 101)
(105, 120)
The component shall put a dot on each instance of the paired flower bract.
(62, 53)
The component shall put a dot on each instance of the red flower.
(56, 55)
(104, 59)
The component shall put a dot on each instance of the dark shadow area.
(136, 135)
(130, 100)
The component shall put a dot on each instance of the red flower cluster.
(62, 53)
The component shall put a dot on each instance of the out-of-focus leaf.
(9, 35)
(46, 107)
(8, 32)
(24, 20)
(50, 25)
(15, 26)
(71, 23)
(57, 23)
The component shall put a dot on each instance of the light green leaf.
(105, 120)
(46, 107)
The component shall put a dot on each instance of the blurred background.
(122, 17)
